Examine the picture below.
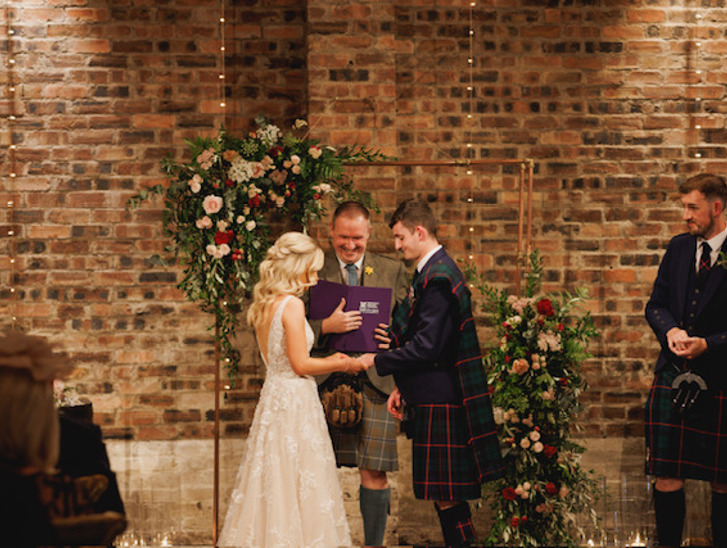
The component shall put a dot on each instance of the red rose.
(545, 307)
(229, 183)
(316, 196)
(254, 201)
(561, 327)
(550, 451)
(523, 519)
(291, 185)
(508, 493)
(507, 359)
(515, 522)
(224, 237)
(275, 151)
(550, 488)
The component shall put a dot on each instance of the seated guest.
(40, 506)
(29, 436)
(83, 452)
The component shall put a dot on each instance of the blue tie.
(352, 274)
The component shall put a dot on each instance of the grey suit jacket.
(376, 271)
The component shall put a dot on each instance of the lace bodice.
(278, 362)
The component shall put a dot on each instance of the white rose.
(250, 226)
(525, 443)
(538, 447)
(534, 435)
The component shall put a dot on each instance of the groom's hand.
(394, 404)
(340, 321)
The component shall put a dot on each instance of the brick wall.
(600, 94)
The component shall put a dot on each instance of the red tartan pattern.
(679, 448)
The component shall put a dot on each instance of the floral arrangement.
(534, 372)
(66, 396)
(219, 207)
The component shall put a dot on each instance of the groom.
(442, 391)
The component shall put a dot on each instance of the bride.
(287, 491)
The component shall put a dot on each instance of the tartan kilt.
(694, 448)
(443, 462)
(372, 445)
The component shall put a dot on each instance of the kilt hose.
(443, 463)
(694, 448)
(371, 445)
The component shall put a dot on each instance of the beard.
(705, 231)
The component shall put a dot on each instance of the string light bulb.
(11, 165)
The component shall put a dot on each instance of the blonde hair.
(29, 427)
(289, 266)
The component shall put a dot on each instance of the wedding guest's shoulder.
(386, 262)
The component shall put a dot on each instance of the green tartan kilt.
(694, 448)
(443, 462)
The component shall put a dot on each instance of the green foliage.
(535, 374)
(220, 206)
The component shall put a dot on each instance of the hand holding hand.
(691, 347)
(340, 321)
(381, 334)
(675, 338)
(356, 364)
(394, 405)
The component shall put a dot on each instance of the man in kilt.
(442, 391)
(371, 445)
(688, 313)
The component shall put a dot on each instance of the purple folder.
(374, 303)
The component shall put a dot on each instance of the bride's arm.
(300, 360)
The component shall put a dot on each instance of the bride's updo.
(288, 267)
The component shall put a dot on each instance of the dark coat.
(667, 308)
(436, 355)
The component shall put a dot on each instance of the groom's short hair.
(412, 213)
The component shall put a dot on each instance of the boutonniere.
(368, 270)
(722, 260)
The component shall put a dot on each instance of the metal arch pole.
(216, 487)
(520, 221)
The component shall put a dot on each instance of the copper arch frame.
(524, 231)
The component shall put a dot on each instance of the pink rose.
(212, 204)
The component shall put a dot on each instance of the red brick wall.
(600, 94)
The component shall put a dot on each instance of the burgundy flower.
(550, 451)
(515, 521)
(545, 307)
(224, 237)
(254, 201)
(550, 488)
(508, 493)
(229, 183)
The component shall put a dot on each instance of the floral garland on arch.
(534, 372)
(220, 205)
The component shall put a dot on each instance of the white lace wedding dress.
(287, 491)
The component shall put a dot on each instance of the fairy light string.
(11, 203)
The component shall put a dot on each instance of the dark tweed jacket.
(460, 359)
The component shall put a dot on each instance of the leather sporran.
(689, 394)
(342, 398)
